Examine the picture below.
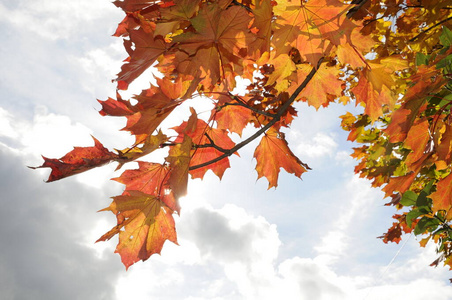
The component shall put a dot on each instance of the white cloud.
(319, 145)
(6, 120)
(357, 194)
(54, 19)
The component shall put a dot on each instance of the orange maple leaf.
(145, 51)
(154, 105)
(324, 86)
(217, 44)
(373, 90)
(144, 224)
(311, 27)
(179, 160)
(417, 140)
(232, 117)
(273, 153)
(152, 179)
(208, 141)
(442, 198)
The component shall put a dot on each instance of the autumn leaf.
(374, 90)
(442, 198)
(307, 27)
(209, 143)
(324, 86)
(144, 224)
(417, 140)
(145, 51)
(272, 154)
(151, 179)
(154, 105)
(150, 144)
(215, 46)
(262, 23)
(78, 160)
(425, 81)
(179, 160)
(232, 117)
(133, 5)
(445, 146)
(116, 107)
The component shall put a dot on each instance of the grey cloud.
(314, 281)
(42, 226)
(213, 234)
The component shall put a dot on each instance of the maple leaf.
(442, 198)
(273, 153)
(78, 160)
(144, 224)
(210, 143)
(219, 37)
(417, 140)
(179, 160)
(232, 117)
(154, 105)
(133, 5)
(173, 16)
(283, 68)
(116, 107)
(403, 183)
(373, 89)
(262, 23)
(151, 179)
(309, 27)
(324, 86)
(427, 80)
(394, 234)
(445, 146)
(146, 49)
(150, 144)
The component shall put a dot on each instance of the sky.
(313, 238)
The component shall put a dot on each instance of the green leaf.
(421, 59)
(412, 215)
(408, 198)
(445, 62)
(425, 224)
(423, 201)
(446, 37)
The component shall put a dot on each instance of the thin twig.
(211, 145)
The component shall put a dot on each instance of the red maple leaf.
(78, 160)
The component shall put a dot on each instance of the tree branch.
(211, 145)
(275, 119)
(354, 9)
(427, 30)
(264, 113)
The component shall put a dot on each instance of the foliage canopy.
(392, 57)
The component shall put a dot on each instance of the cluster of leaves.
(409, 149)
(390, 56)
